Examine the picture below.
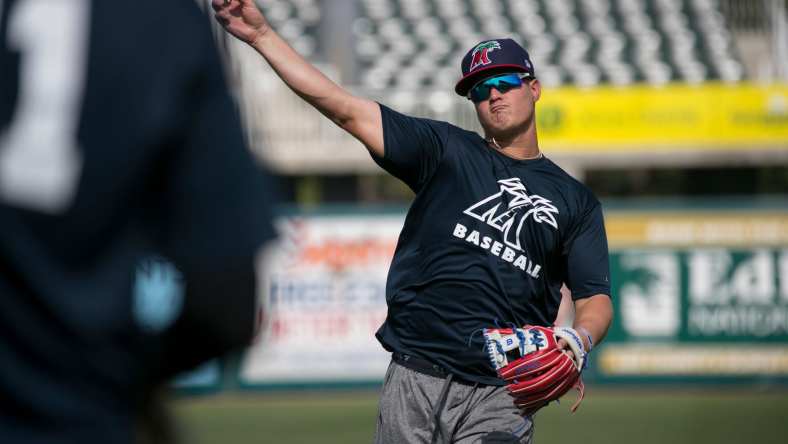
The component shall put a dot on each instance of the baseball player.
(118, 140)
(494, 231)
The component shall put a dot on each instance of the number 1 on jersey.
(40, 160)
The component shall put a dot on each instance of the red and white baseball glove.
(535, 369)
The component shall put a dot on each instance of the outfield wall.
(700, 295)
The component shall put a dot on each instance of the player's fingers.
(222, 21)
(564, 346)
(221, 4)
(222, 14)
(228, 8)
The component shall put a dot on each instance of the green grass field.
(606, 417)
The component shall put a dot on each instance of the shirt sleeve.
(219, 200)
(586, 256)
(413, 147)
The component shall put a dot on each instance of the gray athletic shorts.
(471, 414)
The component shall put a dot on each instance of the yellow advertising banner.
(646, 118)
(685, 229)
(693, 360)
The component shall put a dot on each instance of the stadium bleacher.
(296, 21)
(406, 54)
(408, 44)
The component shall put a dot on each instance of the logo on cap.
(481, 54)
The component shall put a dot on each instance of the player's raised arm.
(358, 116)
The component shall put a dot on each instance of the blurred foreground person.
(118, 141)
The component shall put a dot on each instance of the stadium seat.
(580, 42)
(296, 21)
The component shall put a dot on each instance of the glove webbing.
(533, 365)
(531, 407)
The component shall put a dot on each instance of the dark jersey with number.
(118, 138)
(488, 241)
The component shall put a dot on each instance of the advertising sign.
(708, 297)
(700, 294)
(712, 116)
(324, 286)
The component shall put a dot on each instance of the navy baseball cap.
(491, 57)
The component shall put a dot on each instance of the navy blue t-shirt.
(488, 241)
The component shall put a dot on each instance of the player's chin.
(495, 126)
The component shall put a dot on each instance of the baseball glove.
(535, 370)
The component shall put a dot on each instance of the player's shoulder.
(192, 24)
(465, 134)
(177, 27)
(188, 12)
(191, 15)
(178, 14)
(390, 112)
(570, 185)
(447, 131)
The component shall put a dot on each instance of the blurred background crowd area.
(642, 97)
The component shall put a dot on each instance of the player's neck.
(522, 147)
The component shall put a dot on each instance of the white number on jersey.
(40, 160)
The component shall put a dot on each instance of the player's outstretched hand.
(241, 18)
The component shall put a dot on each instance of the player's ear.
(536, 89)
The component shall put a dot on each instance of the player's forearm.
(359, 117)
(593, 316)
(305, 80)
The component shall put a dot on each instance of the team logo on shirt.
(481, 54)
(508, 209)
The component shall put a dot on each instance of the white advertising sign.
(323, 284)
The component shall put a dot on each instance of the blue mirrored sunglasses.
(504, 82)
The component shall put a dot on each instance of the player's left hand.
(535, 367)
